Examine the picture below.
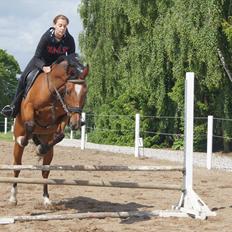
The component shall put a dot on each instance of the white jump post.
(83, 131)
(209, 142)
(137, 128)
(71, 134)
(12, 129)
(190, 202)
(5, 126)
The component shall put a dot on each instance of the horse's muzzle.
(75, 126)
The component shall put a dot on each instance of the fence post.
(83, 116)
(137, 127)
(5, 126)
(71, 134)
(209, 142)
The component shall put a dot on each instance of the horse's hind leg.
(46, 161)
(18, 152)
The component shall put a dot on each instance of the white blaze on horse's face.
(75, 118)
(78, 89)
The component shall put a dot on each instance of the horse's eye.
(72, 72)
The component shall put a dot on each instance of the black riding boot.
(13, 109)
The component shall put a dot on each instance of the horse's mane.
(72, 59)
(60, 59)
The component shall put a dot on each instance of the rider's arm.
(39, 62)
(71, 45)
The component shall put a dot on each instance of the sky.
(22, 23)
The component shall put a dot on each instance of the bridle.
(68, 109)
(60, 96)
(81, 71)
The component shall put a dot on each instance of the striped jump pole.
(95, 183)
(89, 215)
(91, 168)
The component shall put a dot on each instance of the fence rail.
(138, 141)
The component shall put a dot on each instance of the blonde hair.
(60, 17)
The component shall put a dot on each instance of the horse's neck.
(59, 72)
(56, 80)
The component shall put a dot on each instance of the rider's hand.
(46, 69)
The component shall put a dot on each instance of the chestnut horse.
(54, 100)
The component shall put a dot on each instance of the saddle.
(30, 79)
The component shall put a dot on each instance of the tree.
(139, 52)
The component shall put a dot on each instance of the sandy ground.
(214, 187)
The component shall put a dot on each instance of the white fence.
(138, 139)
(138, 142)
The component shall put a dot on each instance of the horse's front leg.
(46, 161)
(59, 135)
(43, 148)
(18, 152)
(27, 115)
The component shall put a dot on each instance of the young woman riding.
(55, 42)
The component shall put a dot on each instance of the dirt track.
(214, 187)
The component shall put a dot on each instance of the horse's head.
(75, 98)
(75, 70)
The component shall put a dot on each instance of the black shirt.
(49, 49)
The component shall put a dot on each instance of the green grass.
(6, 137)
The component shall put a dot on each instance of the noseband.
(74, 109)
(68, 109)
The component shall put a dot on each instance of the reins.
(61, 101)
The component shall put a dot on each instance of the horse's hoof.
(59, 137)
(41, 150)
(13, 202)
(47, 202)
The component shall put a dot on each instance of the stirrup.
(7, 111)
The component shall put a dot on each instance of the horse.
(44, 114)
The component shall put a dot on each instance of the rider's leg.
(13, 109)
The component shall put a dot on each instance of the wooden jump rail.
(91, 168)
(99, 215)
(101, 183)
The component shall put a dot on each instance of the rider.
(55, 42)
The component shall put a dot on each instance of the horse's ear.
(60, 59)
(85, 72)
(73, 59)
(74, 56)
